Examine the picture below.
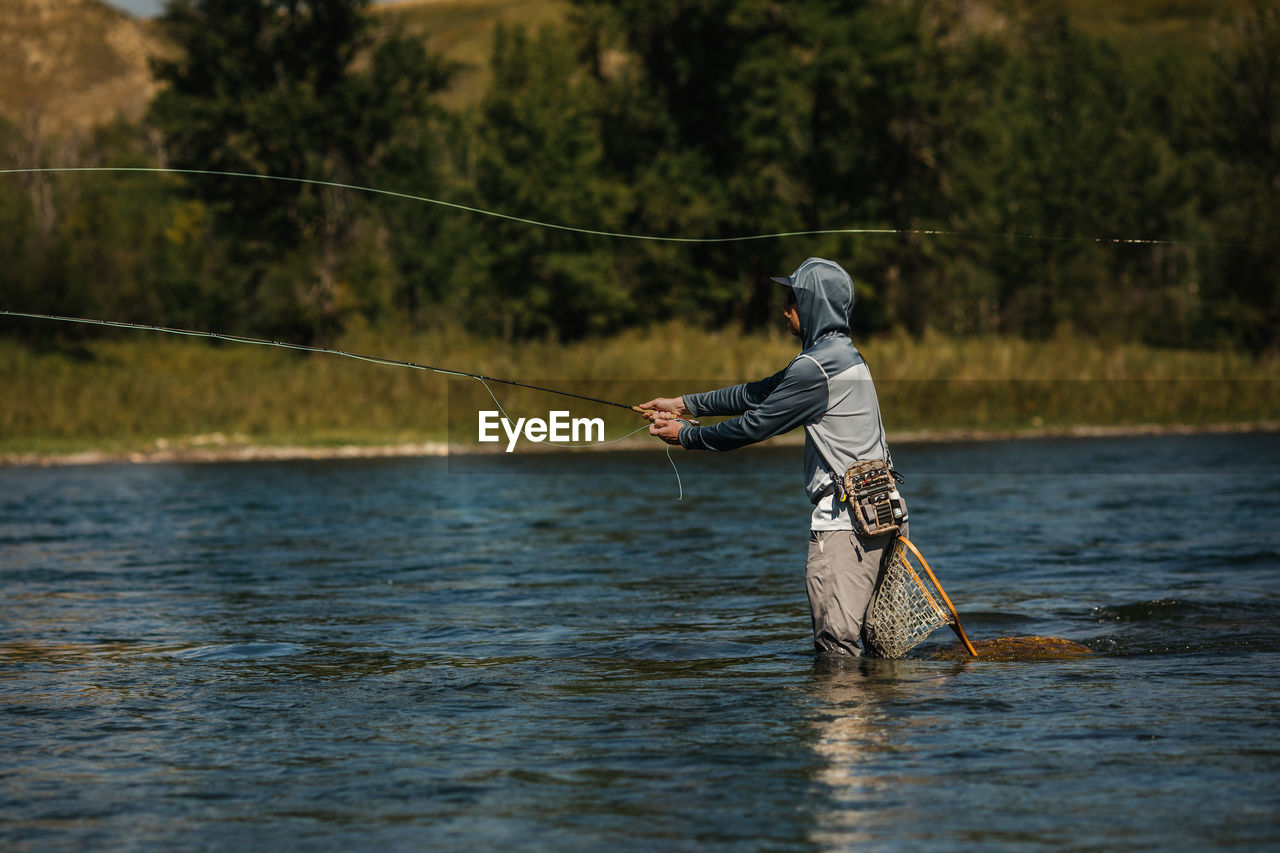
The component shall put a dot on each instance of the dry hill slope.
(66, 65)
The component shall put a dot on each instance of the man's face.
(791, 311)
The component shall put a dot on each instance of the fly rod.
(374, 359)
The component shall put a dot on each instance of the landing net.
(909, 605)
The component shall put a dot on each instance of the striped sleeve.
(798, 396)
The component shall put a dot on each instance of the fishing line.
(924, 232)
(930, 232)
(373, 359)
(679, 484)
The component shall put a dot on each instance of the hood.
(824, 298)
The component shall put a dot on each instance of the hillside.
(66, 65)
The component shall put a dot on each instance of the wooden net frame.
(909, 605)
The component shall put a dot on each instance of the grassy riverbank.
(148, 392)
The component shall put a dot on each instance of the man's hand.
(668, 430)
(675, 405)
(661, 413)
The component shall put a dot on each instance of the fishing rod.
(594, 232)
(374, 359)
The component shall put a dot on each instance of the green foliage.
(921, 116)
(714, 118)
(271, 88)
(148, 392)
(700, 122)
(1061, 163)
(538, 155)
(1246, 135)
(108, 245)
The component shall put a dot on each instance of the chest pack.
(875, 506)
(870, 489)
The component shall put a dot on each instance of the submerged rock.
(1016, 648)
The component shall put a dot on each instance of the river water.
(551, 652)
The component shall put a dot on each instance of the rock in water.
(1016, 648)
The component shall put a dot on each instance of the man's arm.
(796, 395)
(734, 400)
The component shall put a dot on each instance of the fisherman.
(827, 389)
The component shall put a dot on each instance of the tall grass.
(127, 393)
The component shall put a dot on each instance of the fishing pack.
(875, 506)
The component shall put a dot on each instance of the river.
(552, 652)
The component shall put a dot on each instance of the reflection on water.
(864, 756)
(551, 653)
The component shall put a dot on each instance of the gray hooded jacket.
(827, 389)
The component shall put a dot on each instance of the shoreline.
(222, 452)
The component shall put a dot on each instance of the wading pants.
(840, 577)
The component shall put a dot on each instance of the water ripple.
(395, 654)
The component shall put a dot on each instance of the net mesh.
(907, 606)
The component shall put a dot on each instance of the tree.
(743, 117)
(538, 155)
(1246, 136)
(271, 87)
(700, 119)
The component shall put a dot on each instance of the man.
(827, 389)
